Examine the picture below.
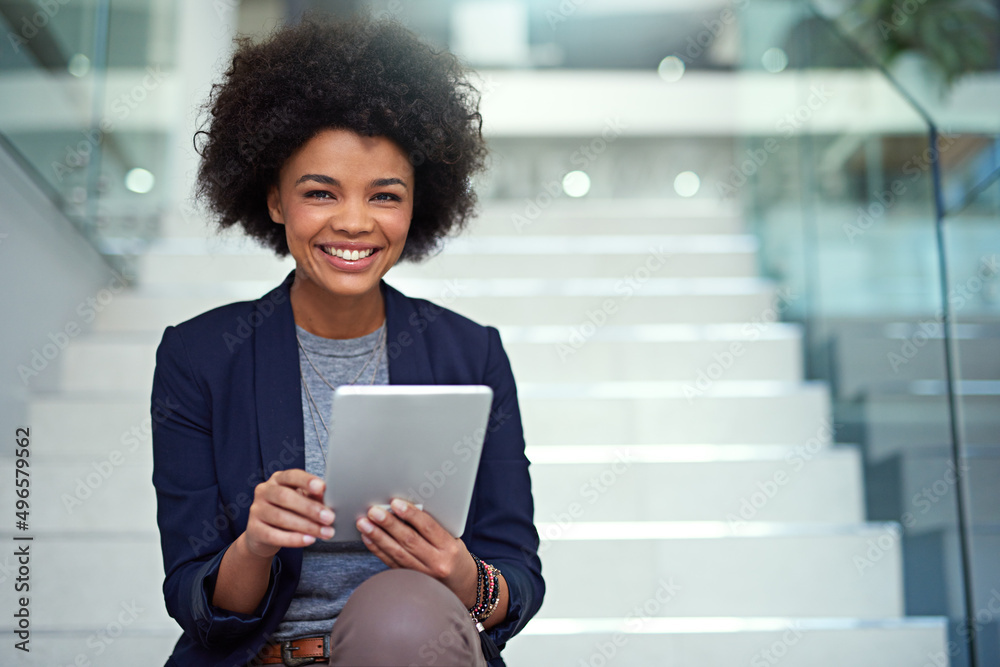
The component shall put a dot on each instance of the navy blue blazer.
(226, 410)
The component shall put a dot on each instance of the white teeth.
(349, 255)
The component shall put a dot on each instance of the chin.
(347, 284)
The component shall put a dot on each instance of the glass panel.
(845, 208)
(973, 244)
(47, 77)
(83, 85)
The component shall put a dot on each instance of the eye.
(319, 194)
(386, 196)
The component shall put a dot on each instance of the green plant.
(956, 36)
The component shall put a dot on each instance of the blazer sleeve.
(503, 531)
(195, 530)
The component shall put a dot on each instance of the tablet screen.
(421, 443)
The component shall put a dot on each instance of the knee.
(411, 608)
(408, 598)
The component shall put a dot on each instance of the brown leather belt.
(295, 652)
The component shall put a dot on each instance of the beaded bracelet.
(487, 590)
(480, 576)
(487, 599)
(494, 595)
(482, 584)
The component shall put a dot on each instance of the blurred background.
(743, 256)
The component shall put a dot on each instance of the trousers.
(403, 618)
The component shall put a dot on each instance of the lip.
(346, 265)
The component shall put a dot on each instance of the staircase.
(692, 507)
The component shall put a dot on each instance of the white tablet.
(421, 443)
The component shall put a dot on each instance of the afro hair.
(373, 77)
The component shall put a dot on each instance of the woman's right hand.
(287, 511)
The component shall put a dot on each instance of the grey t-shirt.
(330, 571)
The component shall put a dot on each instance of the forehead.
(341, 153)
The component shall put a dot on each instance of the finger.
(300, 479)
(281, 538)
(382, 556)
(428, 527)
(290, 499)
(402, 532)
(282, 519)
(399, 546)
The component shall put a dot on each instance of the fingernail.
(326, 516)
(365, 526)
(308, 539)
(376, 513)
(326, 532)
(399, 506)
(315, 485)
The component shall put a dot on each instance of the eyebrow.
(326, 180)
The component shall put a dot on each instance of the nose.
(353, 217)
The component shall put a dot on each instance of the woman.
(349, 146)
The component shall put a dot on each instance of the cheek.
(397, 227)
(301, 222)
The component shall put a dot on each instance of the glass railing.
(82, 86)
(879, 205)
(971, 241)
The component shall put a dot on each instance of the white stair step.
(609, 265)
(108, 362)
(662, 413)
(82, 583)
(641, 283)
(601, 217)
(115, 361)
(590, 312)
(768, 569)
(651, 483)
(568, 355)
(640, 641)
(561, 257)
(589, 305)
(498, 224)
(89, 426)
(93, 647)
(87, 496)
(171, 269)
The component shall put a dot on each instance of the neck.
(334, 316)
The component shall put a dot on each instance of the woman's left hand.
(410, 538)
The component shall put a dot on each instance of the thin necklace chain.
(314, 410)
(375, 351)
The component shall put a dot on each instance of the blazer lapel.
(409, 361)
(277, 384)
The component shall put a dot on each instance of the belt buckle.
(290, 660)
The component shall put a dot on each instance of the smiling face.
(346, 202)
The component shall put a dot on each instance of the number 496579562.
(21, 475)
